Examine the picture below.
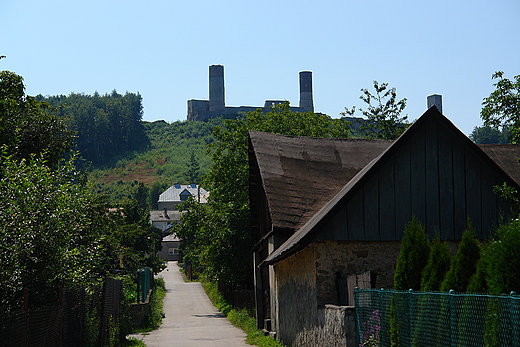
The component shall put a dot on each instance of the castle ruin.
(203, 110)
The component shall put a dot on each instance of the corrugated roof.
(301, 174)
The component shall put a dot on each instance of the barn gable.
(433, 171)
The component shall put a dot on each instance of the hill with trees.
(122, 151)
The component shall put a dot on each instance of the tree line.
(55, 229)
(106, 126)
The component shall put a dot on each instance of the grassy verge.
(240, 318)
(156, 308)
(133, 342)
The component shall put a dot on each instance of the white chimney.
(435, 100)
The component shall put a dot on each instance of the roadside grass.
(156, 305)
(156, 308)
(133, 342)
(241, 318)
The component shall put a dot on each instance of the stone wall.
(305, 311)
(337, 328)
(347, 258)
(296, 307)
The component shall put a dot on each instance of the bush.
(503, 260)
(463, 264)
(413, 257)
(437, 267)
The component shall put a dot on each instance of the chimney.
(435, 100)
(306, 91)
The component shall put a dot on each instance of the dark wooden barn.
(323, 208)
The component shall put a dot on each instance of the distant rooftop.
(181, 192)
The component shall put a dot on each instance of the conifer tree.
(478, 282)
(413, 257)
(463, 264)
(437, 267)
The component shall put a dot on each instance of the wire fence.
(396, 318)
(75, 319)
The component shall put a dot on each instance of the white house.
(179, 193)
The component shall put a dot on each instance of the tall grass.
(241, 318)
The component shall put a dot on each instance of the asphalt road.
(190, 317)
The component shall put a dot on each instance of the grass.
(156, 304)
(156, 307)
(133, 342)
(241, 318)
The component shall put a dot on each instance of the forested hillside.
(176, 154)
(106, 126)
(122, 150)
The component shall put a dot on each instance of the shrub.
(463, 264)
(437, 267)
(503, 260)
(412, 258)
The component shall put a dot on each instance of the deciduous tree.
(383, 115)
(26, 126)
(502, 107)
(219, 233)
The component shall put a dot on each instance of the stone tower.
(216, 88)
(306, 91)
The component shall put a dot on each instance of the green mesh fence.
(144, 281)
(395, 318)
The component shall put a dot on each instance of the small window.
(172, 251)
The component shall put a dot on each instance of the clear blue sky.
(162, 49)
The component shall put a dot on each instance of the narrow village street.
(190, 317)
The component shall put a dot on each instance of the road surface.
(190, 320)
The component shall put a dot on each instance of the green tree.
(107, 126)
(53, 228)
(463, 265)
(503, 260)
(219, 232)
(502, 107)
(383, 115)
(193, 169)
(478, 282)
(27, 126)
(489, 135)
(413, 257)
(437, 267)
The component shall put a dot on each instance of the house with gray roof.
(324, 209)
(179, 193)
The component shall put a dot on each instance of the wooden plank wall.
(434, 176)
